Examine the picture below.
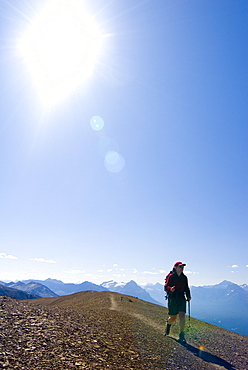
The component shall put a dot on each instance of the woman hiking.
(176, 286)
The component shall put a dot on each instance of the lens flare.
(97, 123)
(114, 162)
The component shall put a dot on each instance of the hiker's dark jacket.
(180, 283)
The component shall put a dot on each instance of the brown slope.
(91, 330)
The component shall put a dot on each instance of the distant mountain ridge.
(223, 304)
(130, 288)
(244, 286)
(60, 288)
(34, 288)
(55, 288)
(15, 293)
(156, 291)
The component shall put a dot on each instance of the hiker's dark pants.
(176, 305)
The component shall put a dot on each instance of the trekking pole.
(189, 311)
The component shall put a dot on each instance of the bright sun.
(61, 48)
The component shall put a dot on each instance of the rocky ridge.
(42, 338)
(92, 330)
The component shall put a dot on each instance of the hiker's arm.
(169, 287)
(187, 291)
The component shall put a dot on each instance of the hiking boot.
(182, 338)
(167, 330)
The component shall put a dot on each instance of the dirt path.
(114, 305)
(149, 322)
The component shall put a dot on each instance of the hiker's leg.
(181, 321)
(171, 319)
(173, 311)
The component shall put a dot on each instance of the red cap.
(179, 264)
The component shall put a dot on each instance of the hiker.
(176, 286)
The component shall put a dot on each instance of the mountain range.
(130, 288)
(34, 288)
(224, 304)
(15, 293)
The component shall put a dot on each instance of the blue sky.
(164, 179)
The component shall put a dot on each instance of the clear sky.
(134, 156)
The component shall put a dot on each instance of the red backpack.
(166, 283)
